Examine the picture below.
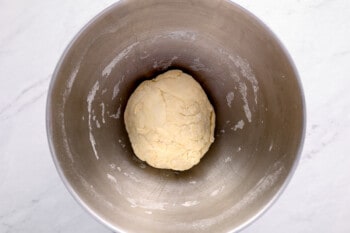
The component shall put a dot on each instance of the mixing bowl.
(248, 77)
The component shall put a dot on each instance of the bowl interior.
(249, 80)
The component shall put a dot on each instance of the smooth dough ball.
(170, 121)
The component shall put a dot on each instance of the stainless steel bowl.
(250, 80)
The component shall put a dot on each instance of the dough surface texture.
(170, 121)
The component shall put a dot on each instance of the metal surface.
(249, 79)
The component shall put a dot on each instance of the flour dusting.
(144, 56)
(229, 98)
(147, 204)
(197, 65)
(123, 54)
(90, 99)
(117, 114)
(164, 64)
(183, 35)
(217, 191)
(111, 178)
(239, 125)
(264, 184)
(103, 112)
(247, 72)
(228, 159)
(116, 88)
(190, 203)
(243, 91)
(98, 125)
(132, 177)
(69, 82)
(271, 146)
(72, 77)
(246, 75)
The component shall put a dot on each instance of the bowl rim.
(116, 228)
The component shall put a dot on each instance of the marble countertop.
(33, 35)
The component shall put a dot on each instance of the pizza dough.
(170, 121)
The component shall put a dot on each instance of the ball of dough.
(170, 121)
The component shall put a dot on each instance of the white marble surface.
(33, 35)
